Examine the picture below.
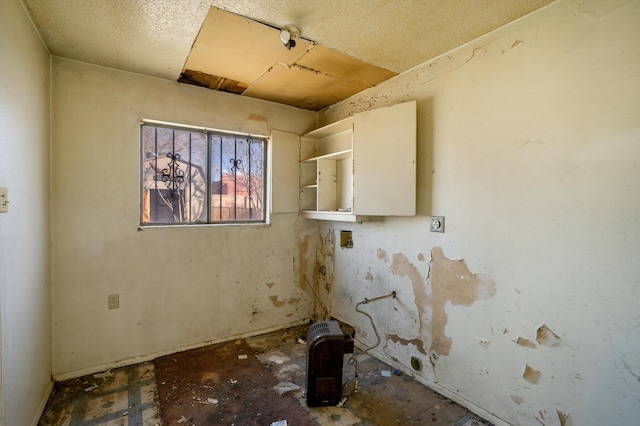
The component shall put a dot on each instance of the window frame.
(209, 132)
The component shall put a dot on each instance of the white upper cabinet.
(361, 166)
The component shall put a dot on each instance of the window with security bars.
(198, 176)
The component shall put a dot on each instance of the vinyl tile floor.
(128, 396)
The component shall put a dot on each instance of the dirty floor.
(253, 381)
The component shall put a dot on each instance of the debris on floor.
(284, 387)
(213, 385)
(104, 375)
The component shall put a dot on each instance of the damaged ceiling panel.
(234, 45)
(237, 55)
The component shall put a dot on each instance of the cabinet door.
(384, 155)
(284, 171)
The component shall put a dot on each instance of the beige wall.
(178, 287)
(528, 144)
(25, 305)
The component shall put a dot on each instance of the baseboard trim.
(43, 403)
(135, 360)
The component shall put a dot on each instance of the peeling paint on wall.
(525, 342)
(517, 399)
(382, 254)
(402, 267)
(416, 342)
(531, 375)
(548, 338)
(451, 281)
(280, 303)
(563, 417)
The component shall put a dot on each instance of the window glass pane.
(174, 176)
(237, 176)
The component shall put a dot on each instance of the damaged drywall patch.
(452, 281)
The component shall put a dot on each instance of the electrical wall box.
(361, 166)
(326, 345)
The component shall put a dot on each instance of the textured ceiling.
(155, 37)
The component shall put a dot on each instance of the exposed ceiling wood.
(234, 45)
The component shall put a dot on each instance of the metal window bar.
(251, 206)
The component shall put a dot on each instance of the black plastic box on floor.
(326, 345)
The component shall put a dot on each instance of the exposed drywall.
(528, 145)
(25, 294)
(178, 286)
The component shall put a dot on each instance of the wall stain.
(369, 276)
(270, 285)
(303, 249)
(280, 303)
(419, 344)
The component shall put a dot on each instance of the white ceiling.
(155, 37)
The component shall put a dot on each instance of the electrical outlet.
(114, 301)
(437, 223)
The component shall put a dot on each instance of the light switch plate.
(437, 223)
(4, 200)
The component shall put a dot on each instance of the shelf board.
(339, 155)
(331, 129)
(334, 215)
